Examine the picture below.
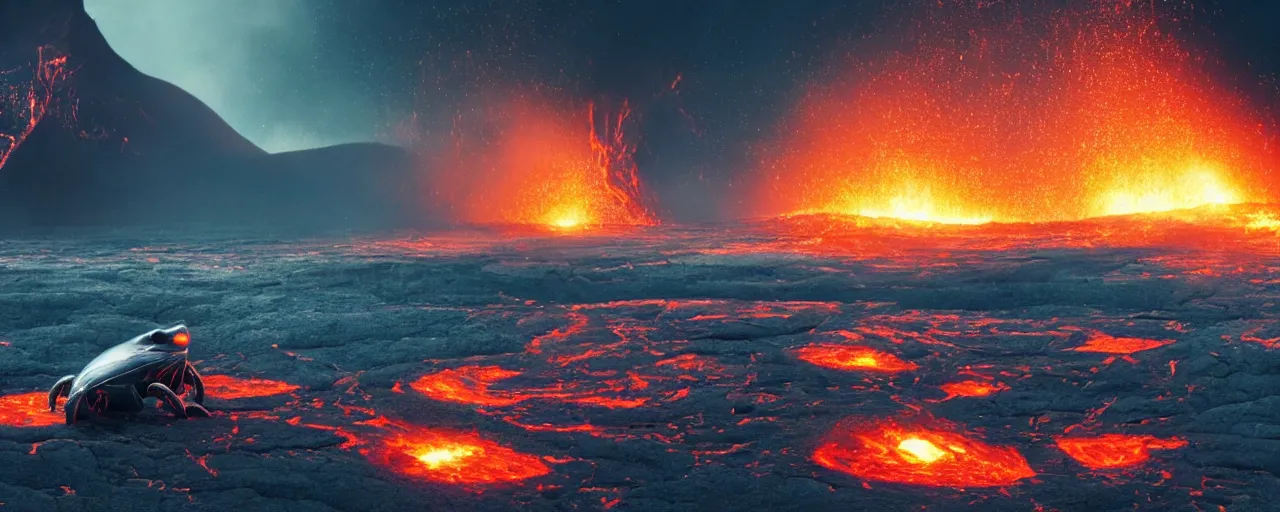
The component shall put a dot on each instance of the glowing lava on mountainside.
(25, 102)
(1002, 112)
(526, 161)
(889, 451)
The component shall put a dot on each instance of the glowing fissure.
(889, 451)
(452, 457)
(973, 388)
(1112, 451)
(1106, 344)
(226, 387)
(853, 357)
(474, 385)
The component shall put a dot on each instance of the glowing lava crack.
(454, 458)
(851, 357)
(889, 452)
(1111, 451)
(972, 388)
(227, 387)
(473, 385)
(1107, 344)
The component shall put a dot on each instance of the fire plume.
(527, 162)
(1111, 451)
(28, 410)
(890, 452)
(999, 111)
(227, 387)
(454, 458)
(852, 357)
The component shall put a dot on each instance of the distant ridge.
(116, 146)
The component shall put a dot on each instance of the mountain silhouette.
(87, 139)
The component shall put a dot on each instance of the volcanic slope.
(767, 366)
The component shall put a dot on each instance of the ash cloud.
(257, 63)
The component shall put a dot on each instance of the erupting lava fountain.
(522, 161)
(1009, 113)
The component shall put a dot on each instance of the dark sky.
(346, 70)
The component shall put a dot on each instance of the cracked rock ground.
(671, 369)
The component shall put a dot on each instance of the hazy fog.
(252, 61)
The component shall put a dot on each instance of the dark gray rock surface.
(730, 416)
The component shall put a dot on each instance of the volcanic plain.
(804, 363)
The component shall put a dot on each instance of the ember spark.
(1111, 451)
(891, 452)
(852, 357)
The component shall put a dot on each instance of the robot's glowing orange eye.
(181, 339)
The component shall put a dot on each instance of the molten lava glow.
(920, 451)
(28, 410)
(474, 385)
(888, 452)
(435, 457)
(1262, 221)
(1017, 111)
(227, 387)
(907, 201)
(26, 103)
(525, 162)
(454, 458)
(1110, 451)
(852, 357)
(469, 385)
(1165, 191)
(973, 388)
(1107, 344)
